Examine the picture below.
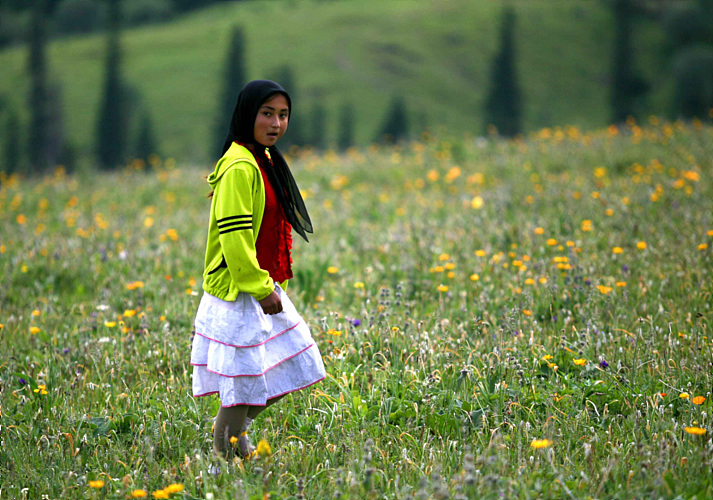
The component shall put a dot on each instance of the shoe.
(246, 449)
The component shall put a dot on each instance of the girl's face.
(271, 120)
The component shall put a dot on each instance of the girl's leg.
(229, 423)
(254, 411)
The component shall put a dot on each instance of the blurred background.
(103, 83)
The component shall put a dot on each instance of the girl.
(251, 346)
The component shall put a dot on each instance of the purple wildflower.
(603, 363)
(22, 381)
(356, 322)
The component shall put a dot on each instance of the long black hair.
(242, 127)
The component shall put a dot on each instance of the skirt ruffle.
(249, 357)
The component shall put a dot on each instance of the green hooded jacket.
(236, 211)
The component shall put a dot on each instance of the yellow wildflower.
(332, 270)
(173, 488)
(96, 484)
(540, 443)
(696, 431)
(579, 362)
(138, 494)
(442, 288)
(34, 330)
(476, 203)
(641, 245)
(263, 448)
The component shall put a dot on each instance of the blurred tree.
(191, 4)
(294, 135)
(146, 139)
(693, 75)
(56, 133)
(318, 129)
(690, 29)
(112, 124)
(627, 87)
(38, 134)
(688, 23)
(503, 107)
(234, 80)
(11, 155)
(80, 16)
(395, 127)
(345, 138)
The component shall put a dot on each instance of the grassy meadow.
(436, 54)
(525, 319)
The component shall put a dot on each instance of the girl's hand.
(271, 304)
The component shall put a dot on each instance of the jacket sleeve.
(234, 216)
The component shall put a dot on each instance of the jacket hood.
(236, 153)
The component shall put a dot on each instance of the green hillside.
(435, 52)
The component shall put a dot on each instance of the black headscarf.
(242, 127)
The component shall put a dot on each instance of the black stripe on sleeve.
(236, 228)
(247, 218)
(236, 223)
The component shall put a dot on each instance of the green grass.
(450, 284)
(436, 53)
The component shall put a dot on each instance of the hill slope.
(437, 53)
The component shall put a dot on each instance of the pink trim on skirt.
(254, 374)
(247, 346)
(277, 396)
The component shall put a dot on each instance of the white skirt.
(247, 356)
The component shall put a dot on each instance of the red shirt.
(274, 240)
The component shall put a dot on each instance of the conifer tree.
(112, 124)
(690, 29)
(345, 138)
(234, 80)
(38, 134)
(626, 86)
(503, 107)
(395, 127)
(145, 140)
(295, 133)
(11, 155)
(317, 122)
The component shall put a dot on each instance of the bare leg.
(229, 423)
(254, 411)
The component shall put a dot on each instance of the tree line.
(124, 127)
(689, 26)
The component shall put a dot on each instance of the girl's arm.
(234, 214)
